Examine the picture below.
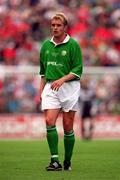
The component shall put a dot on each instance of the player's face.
(58, 28)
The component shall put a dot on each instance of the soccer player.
(60, 69)
(87, 97)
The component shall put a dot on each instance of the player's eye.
(58, 25)
(53, 25)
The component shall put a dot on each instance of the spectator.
(87, 97)
(95, 24)
(23, 24)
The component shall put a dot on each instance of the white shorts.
(66, 98)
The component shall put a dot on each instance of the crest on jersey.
(63, 53)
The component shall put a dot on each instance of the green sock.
(69, 140)
(52, 139)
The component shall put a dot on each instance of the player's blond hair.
(62, 17)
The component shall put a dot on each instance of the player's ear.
(66, 27)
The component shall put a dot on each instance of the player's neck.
(59, 39)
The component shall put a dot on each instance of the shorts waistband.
(48, 80)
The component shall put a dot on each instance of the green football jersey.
(57, 61)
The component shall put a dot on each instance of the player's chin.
(56, 35)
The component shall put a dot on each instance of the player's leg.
(52, 138)
(69, 137)
(90, 128)
(51, 106)
(82, 128)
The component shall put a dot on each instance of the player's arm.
(77, 63)
(42, 85)
(56, 84)
(42, 71)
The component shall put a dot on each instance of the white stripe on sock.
(71, 134)
(50, 129)
(54, 156)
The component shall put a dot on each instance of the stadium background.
(24, 24)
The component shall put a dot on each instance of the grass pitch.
(92, 160)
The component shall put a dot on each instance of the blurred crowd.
(25, 24)
(20, 94)
(95, 24)
(102, 92)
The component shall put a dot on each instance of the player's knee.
(68, 128)
(49, 122)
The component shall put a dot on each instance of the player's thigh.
(51, 116)
(68, 120)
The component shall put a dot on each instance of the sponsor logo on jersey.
(53, 63)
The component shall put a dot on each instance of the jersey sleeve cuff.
(75, 75)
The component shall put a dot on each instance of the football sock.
(69, 140)
(52, 139)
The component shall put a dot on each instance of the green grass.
(92, 160)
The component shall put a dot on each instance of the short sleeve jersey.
(59, 60)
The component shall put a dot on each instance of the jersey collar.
(64, 41)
